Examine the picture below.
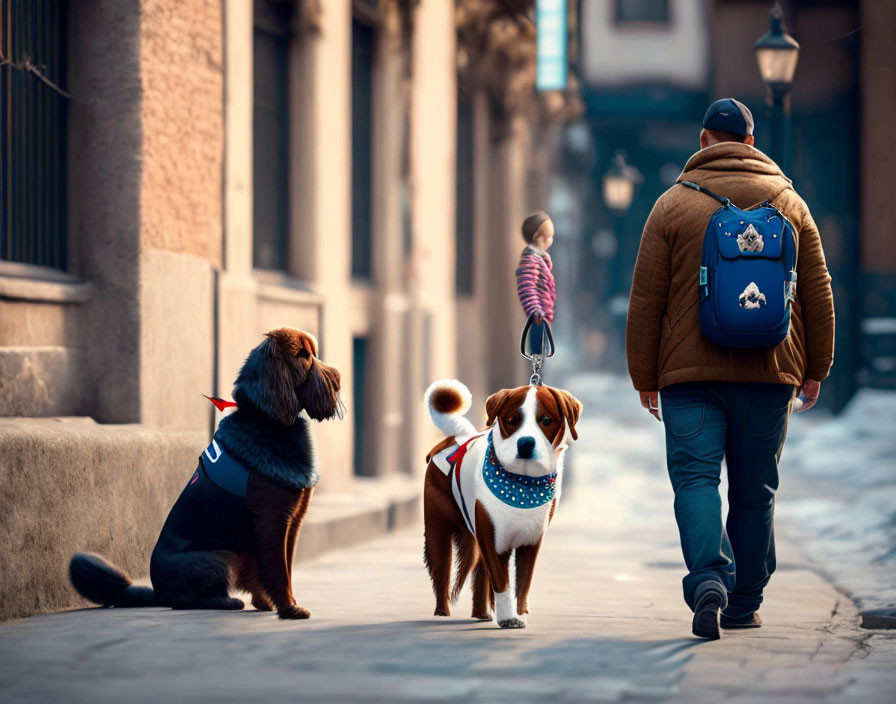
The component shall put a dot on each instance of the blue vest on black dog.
(225, 471)
(748, 275)
(211, 512)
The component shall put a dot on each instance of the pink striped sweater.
(535, 282)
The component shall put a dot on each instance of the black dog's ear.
(267, 382)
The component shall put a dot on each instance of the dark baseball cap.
(729, 115)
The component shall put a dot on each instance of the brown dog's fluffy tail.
(103, 583)
(448, 400)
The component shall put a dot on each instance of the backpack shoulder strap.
(698, 187)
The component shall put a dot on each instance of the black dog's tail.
(103, 583)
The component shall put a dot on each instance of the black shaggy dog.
(236, 522)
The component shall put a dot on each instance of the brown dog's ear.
(569, 406)
(494, 404)
(312, 340)
(267, 382)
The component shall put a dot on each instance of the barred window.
(363, 45)
(464, 198)
(33, 106)
(270, 140)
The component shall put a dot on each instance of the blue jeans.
(746, 424)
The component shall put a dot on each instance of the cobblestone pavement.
(607, 620)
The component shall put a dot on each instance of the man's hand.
(651, 401)
(811, 389)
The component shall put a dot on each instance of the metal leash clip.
(537, 358)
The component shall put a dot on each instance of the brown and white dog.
(493, 494)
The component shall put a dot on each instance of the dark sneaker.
(749, 621)
(706, 614)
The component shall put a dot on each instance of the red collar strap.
(220, 403)
(457, 457)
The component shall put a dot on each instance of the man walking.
(717, 401)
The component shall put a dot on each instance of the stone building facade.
(231, 167)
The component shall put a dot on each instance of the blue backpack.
(748, 275)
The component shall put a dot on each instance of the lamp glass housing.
(619, 190)
(776, 54)
(777, 65)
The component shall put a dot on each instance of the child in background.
(535, 277)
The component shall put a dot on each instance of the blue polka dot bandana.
(516, 489)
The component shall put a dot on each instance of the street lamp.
(777, 54)
(619, 184)
(619, 191)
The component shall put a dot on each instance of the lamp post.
(618, 192)
(777, 54)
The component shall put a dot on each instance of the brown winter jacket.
(664, 343)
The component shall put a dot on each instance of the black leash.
(537, 358)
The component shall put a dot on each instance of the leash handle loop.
(537, 359)
(546, 331)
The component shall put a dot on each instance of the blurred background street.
(178, 177)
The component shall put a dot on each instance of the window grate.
(464, 199)
(33, 114)
(270, 140)
(363, 44)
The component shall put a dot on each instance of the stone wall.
(72, 485)
(182, 115)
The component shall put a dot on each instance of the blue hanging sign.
(551, 63)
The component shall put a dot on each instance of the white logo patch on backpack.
(752, 297)
(750, 240)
